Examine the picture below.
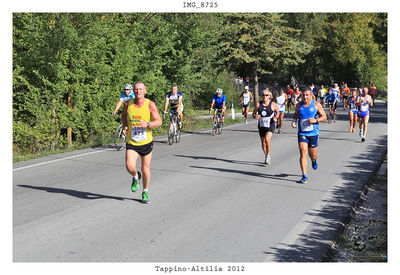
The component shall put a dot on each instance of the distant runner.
(353, 110)
(364, 103)
(281, 102)
(245, 98)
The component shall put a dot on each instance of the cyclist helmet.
(127, 86)
(219, 90)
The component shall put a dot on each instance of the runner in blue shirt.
(219, 100)
(308, 114)
(126, 95)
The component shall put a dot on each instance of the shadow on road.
(238, 130)
(77, 194)
(313, 245)
(281, 176)
(253, 163)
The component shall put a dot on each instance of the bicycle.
(218, 124)
(174, 130)
(331, 114)
(119, 138)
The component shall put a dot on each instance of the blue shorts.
(281, 112)
(312, 141)
(363, 114)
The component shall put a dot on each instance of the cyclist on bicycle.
(126, 95)
(219, 99)
(174, 98)
(332, 98)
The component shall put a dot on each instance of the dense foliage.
(69, 68)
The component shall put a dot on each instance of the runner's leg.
(146, 160)
(131, 157)
(303, 148)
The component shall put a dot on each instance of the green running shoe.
(145, 197)
(135, 183)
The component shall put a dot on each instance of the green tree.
(262, 43)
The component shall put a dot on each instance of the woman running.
(353, 103)
(281, 101)
(364, 103)
(267, 113)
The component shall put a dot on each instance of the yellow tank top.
(138, 135)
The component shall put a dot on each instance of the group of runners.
(140, 116)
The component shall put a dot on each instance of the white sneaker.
(245, 121)
(268, 159)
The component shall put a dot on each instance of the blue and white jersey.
(353, 104)
(219, 100)
(332, 97)
(306, 128)
(125, 97)
(336, 93)
(174, 99)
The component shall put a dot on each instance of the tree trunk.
(255, 77)
(69, 130)
(53, 122)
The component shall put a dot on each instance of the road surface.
(212, 198)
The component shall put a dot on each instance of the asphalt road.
(212, 198)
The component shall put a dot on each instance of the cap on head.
(127, 86)
(246, 87)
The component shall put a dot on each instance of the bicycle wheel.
(214, 128)
(334, 117)
(178, 134)
(171, 132)
(220, 125)
(329, 117)
(119, 138)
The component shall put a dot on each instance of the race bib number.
(139, 134)
(353, 106)
(364, 106)
(306, 126)
(265, 122)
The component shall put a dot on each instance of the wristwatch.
(148, 124)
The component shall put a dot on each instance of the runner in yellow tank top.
(136, 119)
(138, 135)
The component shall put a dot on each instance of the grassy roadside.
(190, 123)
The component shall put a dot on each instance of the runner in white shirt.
(246, 97)
(364, 102)
(281, 101)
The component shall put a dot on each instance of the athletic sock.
(137, 176)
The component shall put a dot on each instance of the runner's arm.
(255, 115)
(276, 110)
(322, 115)
(157, 122)
(124, 118)
(295, 116)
